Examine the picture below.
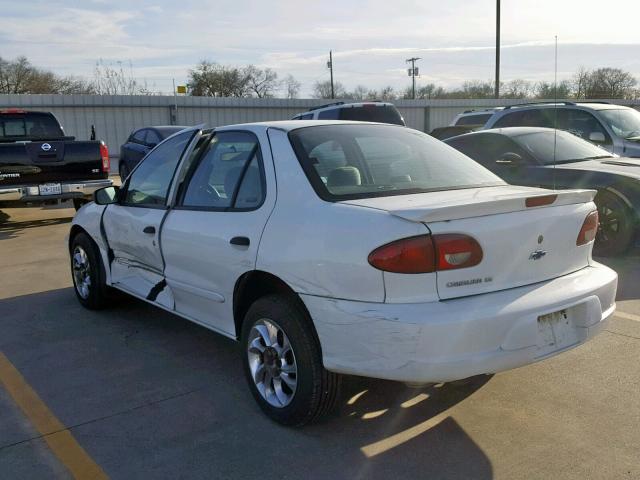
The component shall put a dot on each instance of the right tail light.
(427, 253)
(589, 229)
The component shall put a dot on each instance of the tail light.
(104, 154)
(455, 250)
(409, 255)
(427, 253)
(589, 229)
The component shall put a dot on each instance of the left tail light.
(589, 229)
(427, 253)
(104, 154)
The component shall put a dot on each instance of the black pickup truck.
(40, 165)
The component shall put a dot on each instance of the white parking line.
(628, 316)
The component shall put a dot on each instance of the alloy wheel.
(81, 272)
(272, 362)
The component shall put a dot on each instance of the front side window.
(361, 161)
(559, 146)
(624, 122)
(486, 148)
(149, 183)
(228, 176)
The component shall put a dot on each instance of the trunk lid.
(521, 245)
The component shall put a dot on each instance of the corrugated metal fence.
(115, 117)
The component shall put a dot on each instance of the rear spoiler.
(455, 209)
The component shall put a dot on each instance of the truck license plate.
(50, 189)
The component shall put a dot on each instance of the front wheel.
(88, 273)
(283, 362)
(615, 230)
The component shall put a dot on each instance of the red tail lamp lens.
(409, 255)
(104, 154)
(455, 250)
(425, 254)
(589, 229)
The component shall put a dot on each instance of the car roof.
(288, 125)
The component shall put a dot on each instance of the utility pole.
(497, 90)
(330, 67)
(413, 72)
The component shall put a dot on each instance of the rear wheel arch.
(255, 284)
(73, 233)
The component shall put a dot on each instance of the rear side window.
(479, 119)
(29, 125)
(228, 176)
(139, 136)
(580, 123)
(362, 161)
(532, 117)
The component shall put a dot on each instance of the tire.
(79, 202)
(615, 231)
(87, 263)
(315, 392)
(123, 171)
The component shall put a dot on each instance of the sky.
(158, 41)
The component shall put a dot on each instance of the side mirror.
(106, 195)
(510, 158)
(597, 137)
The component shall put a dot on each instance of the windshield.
(568, 147)
(29, 125)
(624, 122)
(361, 161)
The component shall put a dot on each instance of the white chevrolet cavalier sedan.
(333, 248)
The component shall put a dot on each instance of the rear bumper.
(459, 338)
(30, 193)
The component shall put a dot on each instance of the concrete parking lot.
(135, 392)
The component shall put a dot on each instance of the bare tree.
(111, 79)
(19, 76)
(291, 86)
(261, 83)
(548, 90)
(359, 93)
(517, 88)
(323, 90)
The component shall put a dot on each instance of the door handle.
(241, 241)
(150, 229)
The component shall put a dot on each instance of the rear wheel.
(615, 230)
(88, 273)
(283, 362)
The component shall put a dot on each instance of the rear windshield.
(361, 161)
(479, 119)
(29, 125)
(364, 113)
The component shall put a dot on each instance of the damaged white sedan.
(331, 248)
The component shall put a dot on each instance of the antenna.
(555, 113)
